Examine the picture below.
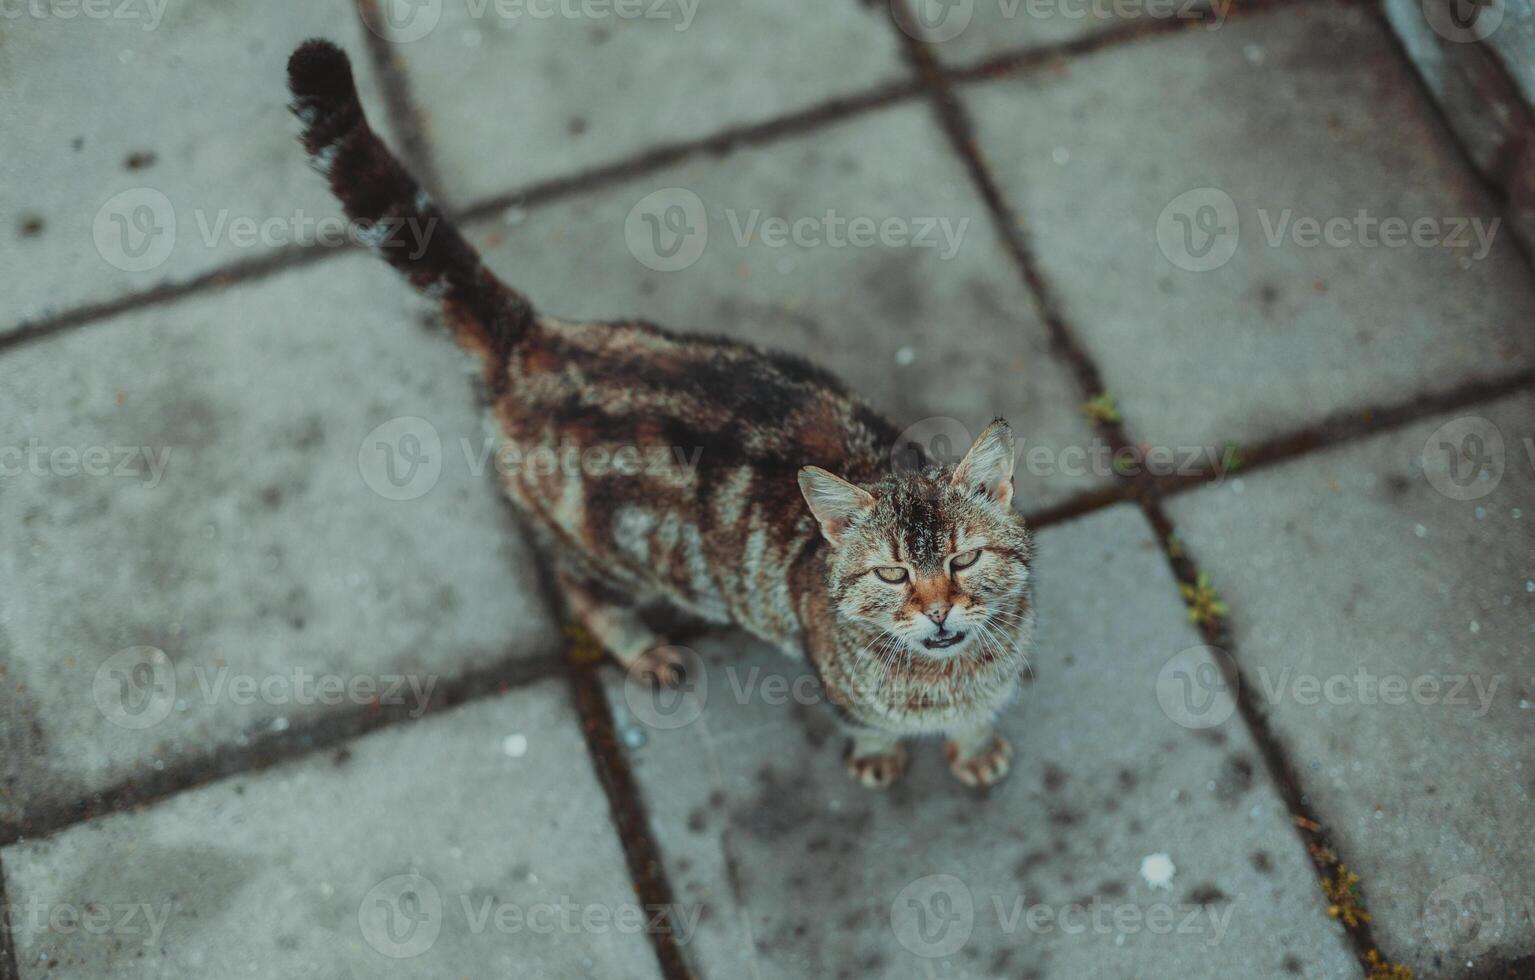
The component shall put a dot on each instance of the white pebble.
(1420, 530)
(1061, 155)
(905, 356)
(279, 724)
(515, 746)
(1158, 870)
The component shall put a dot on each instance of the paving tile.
(931, 320)
(149, 145)
(265, 541)
(965, 32)
(802, 873)
(1117, 181)
(515, 92)
(489, 815)
(1413, 614)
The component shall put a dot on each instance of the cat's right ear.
(835, 502)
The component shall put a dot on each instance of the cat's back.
(678, 453)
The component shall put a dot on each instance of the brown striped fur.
(656, 464)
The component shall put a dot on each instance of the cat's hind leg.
(616, 624)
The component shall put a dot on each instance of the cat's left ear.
(987, 469)
(835, 502)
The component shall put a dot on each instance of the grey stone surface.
(1306, 113)
(270, 544)
(512, 96)
(922, 332)
(155, 138)
(293, 872)
(1350, 567)
(802, 873)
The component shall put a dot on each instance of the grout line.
(247, 270)
(1282, 773)
(394, 80)
(1351, 425)
(267, 748)
(630, 816)
(957, 124)
(9, 968)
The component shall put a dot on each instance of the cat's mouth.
(943, 639)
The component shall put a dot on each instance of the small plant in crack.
(1205, 606)
(1232, 459)
(582, 649)
(1382, 969)
(1101, 408)
(1342, 900)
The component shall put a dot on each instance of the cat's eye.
(966, 559)
(891, 573)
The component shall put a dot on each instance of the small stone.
(1061, 155)
(515, 746)
(1420, 530)
(1158, 870)
(905, 356)
(279, 724)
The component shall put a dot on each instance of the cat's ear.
(987, 469)
(834, 501)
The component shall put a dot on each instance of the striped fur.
(662, 465)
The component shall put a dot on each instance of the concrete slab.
(149, 141)
(1062, 871)
(1413, 615)
(860, 245)
(204, 540)
(487, 852)
(515, 92)
(1127, 192)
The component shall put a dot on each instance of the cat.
(908, 591)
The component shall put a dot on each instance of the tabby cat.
(907, 591)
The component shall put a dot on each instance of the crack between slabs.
(9, 968)
(957, 125)
(626, 804)
(267, 748)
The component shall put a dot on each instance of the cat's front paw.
(877, 771)
(984, 768)
(660, 667)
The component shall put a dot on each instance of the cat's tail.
(391, 211)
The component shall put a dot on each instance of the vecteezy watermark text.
(149, 13)
(1200, 230)
(402, 916)
(118, 919)
(137, 230)
(138, 687)
(144, 463)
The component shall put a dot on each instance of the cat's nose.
(938, 614)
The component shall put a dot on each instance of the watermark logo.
(1464, 21)
(1193, 690)
(1199, 230)
(146, 464)
(401, 459)
(934, 21)
(666, 706)
(401, 917)
(135, 231)
(401, 21)
(148, 12)
(668, 229)
(121, 920)
(933, 916)
(135, 688)
(1464, 458)
(938, 440)
(1465, 916)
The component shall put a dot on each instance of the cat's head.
(934, 560)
